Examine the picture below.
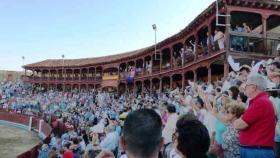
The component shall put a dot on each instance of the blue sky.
(46, 29)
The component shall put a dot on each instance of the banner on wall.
(131, 74)
(112, 77)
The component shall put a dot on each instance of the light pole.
(155, 29)
(63, 77)
(23, 58)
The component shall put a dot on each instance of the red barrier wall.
(24, 119)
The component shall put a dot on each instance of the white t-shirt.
(209, 122)
(278, 47)
(124, 156)
(174, 154)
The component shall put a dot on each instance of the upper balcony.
(251, 34)
(254, 45)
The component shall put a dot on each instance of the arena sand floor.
(14, 141)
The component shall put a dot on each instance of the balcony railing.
(166, 66)
(273, 44)
(139, 71)
(254, 43)
(156, 69)
(98, 78)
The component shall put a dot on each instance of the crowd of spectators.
(229, 118)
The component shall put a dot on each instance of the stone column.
(49, 74)
(196, 46)
(73, 73)
(87, 73)
(183, 81)
(160, 66)
(209, 73)
(160, 85)
(194, 75)
(264, 30)
(80, 77)
(226, 69)
(209, 46)
(171, 82)
(151, 85)
(142, 90)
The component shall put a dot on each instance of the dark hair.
(171, 108)
(67, 145)
(200, 101)
(234, 90)
(142, 132)
(225, 93)
(92, 153)
(276, 64)
(238, 83)
(75, 140)
(243, 97)
(187, 117)
(53, 154)
(245, 68)
(218, 89)
(193, 138)
(273, 93)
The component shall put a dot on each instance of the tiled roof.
(82, 61)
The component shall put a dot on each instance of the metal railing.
(166, 66)
(254, 43)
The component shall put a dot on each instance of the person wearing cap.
(257, 125)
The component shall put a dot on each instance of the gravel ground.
(14, 141)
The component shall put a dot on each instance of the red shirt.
(260, 117)
(68, 154)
